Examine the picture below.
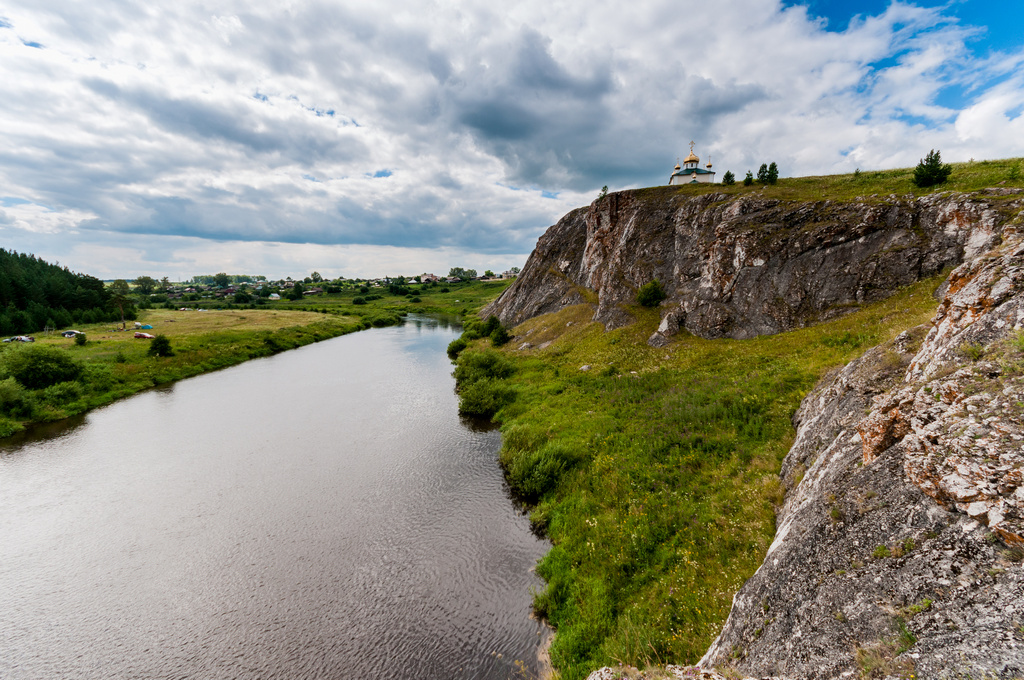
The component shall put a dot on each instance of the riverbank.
(654, 471)
(114, 364)
(204, 336)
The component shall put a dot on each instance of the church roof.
(690, 171)
(692, 158)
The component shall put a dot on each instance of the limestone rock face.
(742, 266)
(900, 541)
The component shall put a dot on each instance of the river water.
(322, 513)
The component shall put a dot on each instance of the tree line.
(35, 294)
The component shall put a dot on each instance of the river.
(323, 513)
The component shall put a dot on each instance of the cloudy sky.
(359, 138)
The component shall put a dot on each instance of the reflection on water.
(323, 513)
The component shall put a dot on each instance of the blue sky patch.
(11, 201)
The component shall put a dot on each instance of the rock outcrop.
(742, 266)
(899, 547)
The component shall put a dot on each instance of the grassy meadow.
(867, 184)
(654, 471)
(113, 364)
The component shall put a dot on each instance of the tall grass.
(655, 472)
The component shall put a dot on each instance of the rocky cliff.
(900, 547)
(746, 265)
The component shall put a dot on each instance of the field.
(113, 364)
(654, 471)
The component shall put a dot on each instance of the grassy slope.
(117, 365)
(655, 472)
(661, 468)
(879, 184)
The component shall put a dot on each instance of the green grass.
(116, 364)
(655, 472)
(868, 184)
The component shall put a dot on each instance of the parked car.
(20, 338)
(144, 336)
(71, 334)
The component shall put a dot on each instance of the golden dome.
(692, 158)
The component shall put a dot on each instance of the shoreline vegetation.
(69, 378)
(653, 471)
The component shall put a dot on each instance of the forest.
(35, 294)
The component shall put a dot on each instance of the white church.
(691, 172)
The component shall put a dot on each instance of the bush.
(358, 301)
(930, 170)
(160, 347)
(749, 179)
(499, 336)
(485, 365)
(61, 393)
(651, 294)
(39, 366)
(14, 399)
(456, 346)
(490, 325)
(80, 339)
(484, 398)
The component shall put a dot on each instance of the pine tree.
(728, 178)
(762, 174)
(773, 173)
(930, 170)
(749, 179)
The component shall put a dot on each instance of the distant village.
(230, 287)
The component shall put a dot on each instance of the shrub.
(80, 339)
(490, 325)
(500, 336)
(485, 365)
(749, 179)
(14, 399)
(61, 393)
(160, 347)
(39, 366)
(9, 427)
(930, 170)
(651, 294)
(358, 301)
(456, 346)
(484, 398)
(416, 299)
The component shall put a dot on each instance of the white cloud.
(428, 130)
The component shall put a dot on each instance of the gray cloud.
(462, 127)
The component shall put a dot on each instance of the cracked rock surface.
(746, 265)
(899, 546)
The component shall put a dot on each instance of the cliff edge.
(899, 549)
(746, 265)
